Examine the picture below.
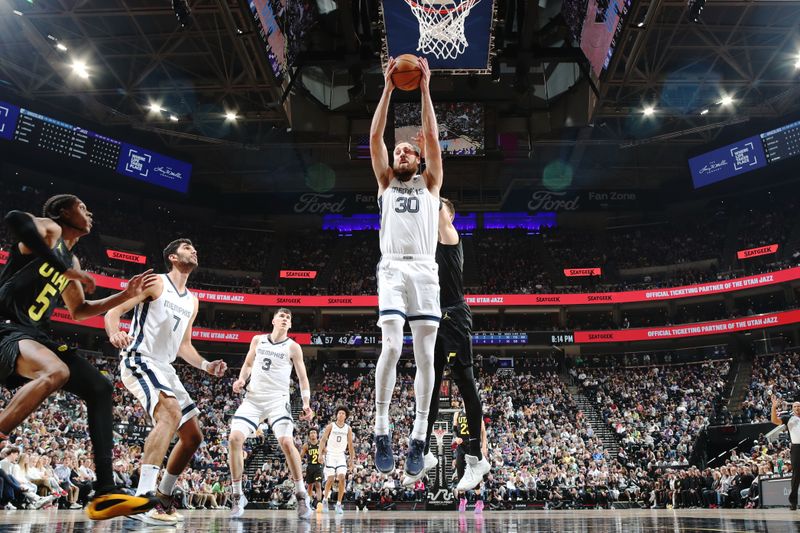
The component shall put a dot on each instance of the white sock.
(300, 489)
(237, 487)
(424, 345)
(147, 479)
(386, 372)
(167, 485)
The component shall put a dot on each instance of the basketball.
(407, 74)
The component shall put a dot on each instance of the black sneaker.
(384, 458)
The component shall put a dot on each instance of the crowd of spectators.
(657, 411)
(542, 445)
(774, 375)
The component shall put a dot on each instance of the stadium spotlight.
(797, 63)
(79, 68)
(649, 110)
(726, 100)
(231, 115)
(155, 107)
(704, 112)
(173, 118)
(62, 47)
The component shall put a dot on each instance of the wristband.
(204, 365)
(305, 394)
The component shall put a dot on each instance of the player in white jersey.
(161, 330)
(336, 439)
(268, 366)
(408, 281)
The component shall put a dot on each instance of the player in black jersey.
(462, 440)
(454, 347)
(314, 469)
(40, 268)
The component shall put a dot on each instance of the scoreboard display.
(749, 154)
(53, 136)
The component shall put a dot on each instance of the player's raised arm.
(377, 146)
(118, 338)
(35, 235)
(430, 131)
(80, 308)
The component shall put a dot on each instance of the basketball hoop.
(441, 29)
(439, 433)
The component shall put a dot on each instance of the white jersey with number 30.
(409, 218)
(272, 367)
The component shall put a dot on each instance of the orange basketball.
(407, 74)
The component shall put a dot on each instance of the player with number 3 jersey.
(268, 366)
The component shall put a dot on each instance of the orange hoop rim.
(443, 10)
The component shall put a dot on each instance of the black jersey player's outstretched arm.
(80, 308)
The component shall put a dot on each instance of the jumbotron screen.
(752, 153)
(461, 126)
(283, 26)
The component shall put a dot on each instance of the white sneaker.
(76, 505)
(10, 507)
(304, 510)
(430, 462)
(238, 507)
(155, 517)
(40, 502)
(473, 472)
(325, 506)
(339, 508)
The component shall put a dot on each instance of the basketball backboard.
(453, 35)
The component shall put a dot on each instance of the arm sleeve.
(785, 417)
(23, 228)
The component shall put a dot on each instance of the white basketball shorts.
(275, 409)
(147, 378)
(408, 289)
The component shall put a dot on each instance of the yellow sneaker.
(115, 503)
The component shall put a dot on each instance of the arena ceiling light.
(649, 110)
(155, 107)
(797, 63)
(79, 67)
(173, 118)
(704, 112)
(61, 47)
(231, 115)
(726, 100)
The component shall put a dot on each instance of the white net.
(441, 26)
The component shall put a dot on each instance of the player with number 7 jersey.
(162, 330)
